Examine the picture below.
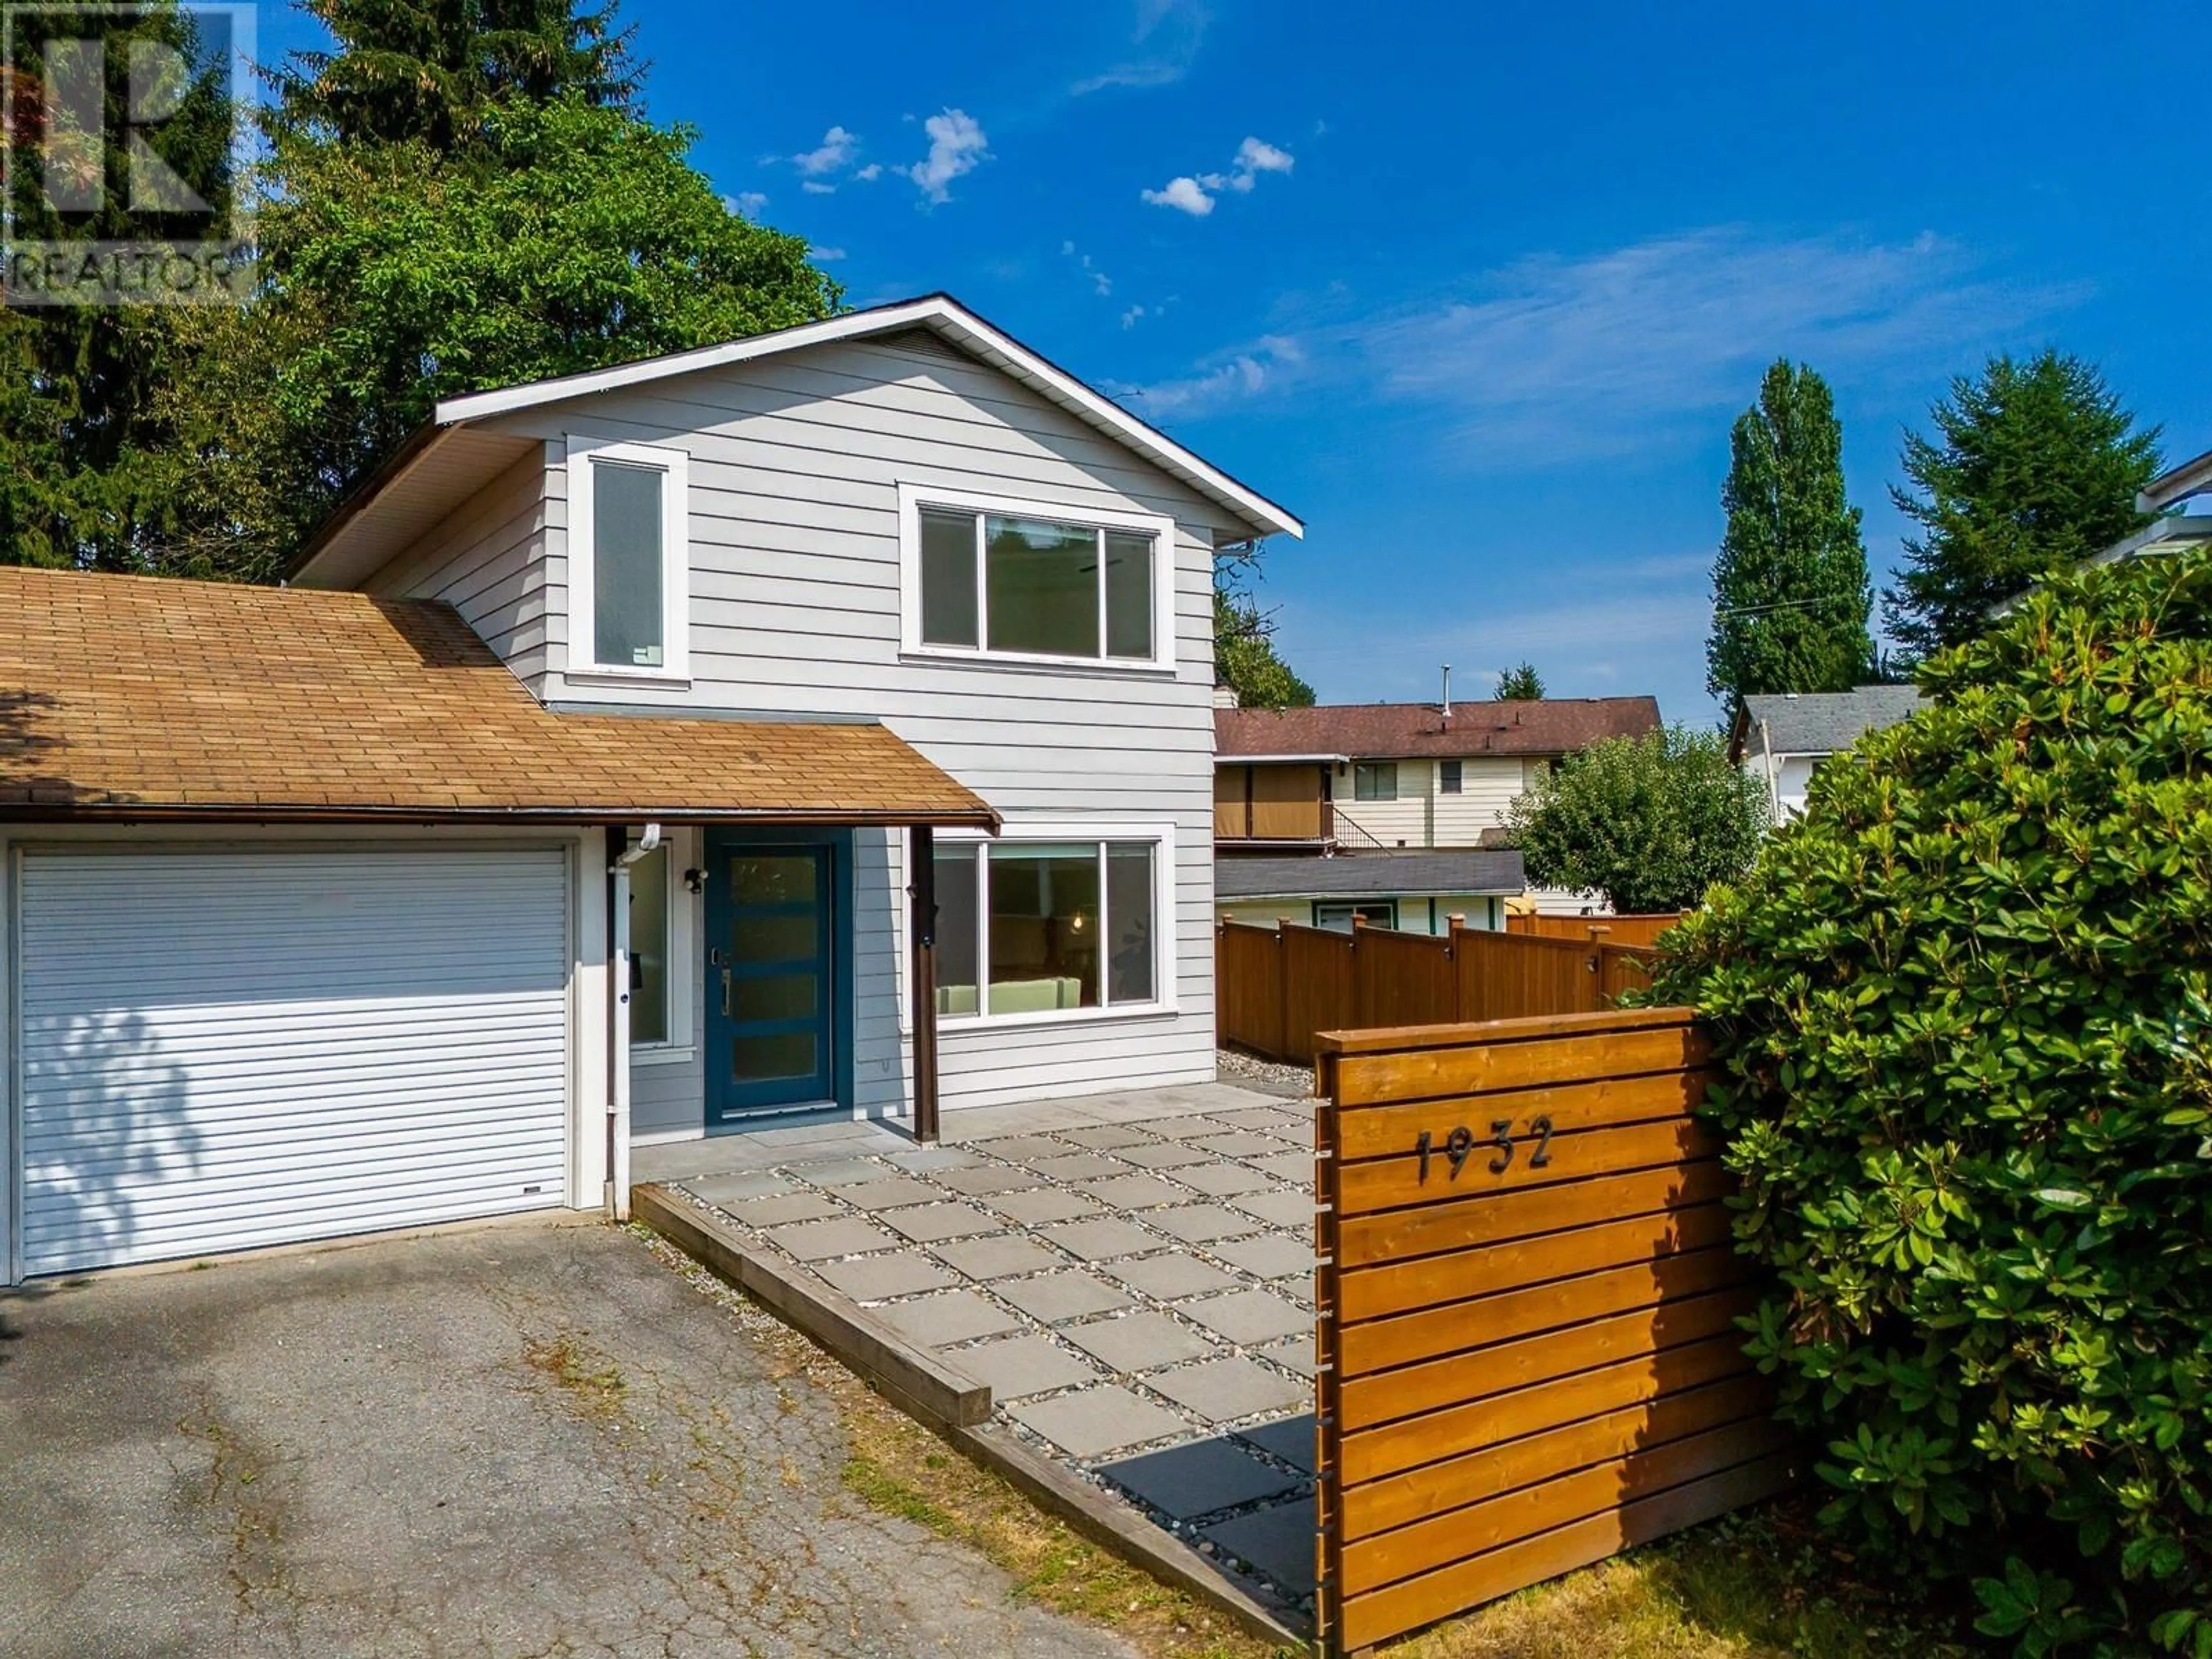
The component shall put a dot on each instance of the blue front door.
(771, 976)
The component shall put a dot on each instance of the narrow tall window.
(1449, 777)
(648, 947)
(628, 536)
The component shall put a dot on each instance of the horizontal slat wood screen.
(1527, 1306)
(1275, 987)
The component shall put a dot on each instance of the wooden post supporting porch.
(921, 892)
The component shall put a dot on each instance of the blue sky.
(1477, 289)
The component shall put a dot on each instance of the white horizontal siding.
(487, 561)
(221, 1049)
(793, 527)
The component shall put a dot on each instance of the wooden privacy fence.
(1275, 987)
(1611, 930)
(1525, 1313)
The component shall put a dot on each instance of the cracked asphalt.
(518, 1441)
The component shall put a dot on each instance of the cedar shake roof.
(1404, 730)
(126, 697)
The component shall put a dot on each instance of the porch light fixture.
(694, 881)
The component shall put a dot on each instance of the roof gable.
(938, 317)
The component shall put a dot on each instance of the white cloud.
(1101, 283)
(1169, 35)
(870, 173)
(1253, 157)
(815, 187)
(1184, 195)
(823, 256)
(1557, 359)
(746, 204)
(1196, 194)
(1130, 318)
(1266, 364)
(837, 150)
(956, 144)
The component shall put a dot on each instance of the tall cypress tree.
(1790, 593)
(2034, 466)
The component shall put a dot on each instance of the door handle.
(725, 994)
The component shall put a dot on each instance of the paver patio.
(1131, 1274)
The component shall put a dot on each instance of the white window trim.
(914, 497)
(674, 466)
(1163, 923)
(679, 1044)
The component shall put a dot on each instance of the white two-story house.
(820, 722)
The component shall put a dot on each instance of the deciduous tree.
(1649, 822)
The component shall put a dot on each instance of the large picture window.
(1010, 579)
(1046, 927)
(628, 561)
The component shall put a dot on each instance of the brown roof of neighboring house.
(136, 698)
(1388, 731)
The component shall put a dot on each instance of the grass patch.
(589, 1378)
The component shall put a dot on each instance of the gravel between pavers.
(1241, 1385)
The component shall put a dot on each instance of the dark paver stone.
(1278, 1540)
(1290, 1438)
(1199, 1478)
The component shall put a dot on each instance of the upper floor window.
(1375, 781)
(993, 578)
(628, 572)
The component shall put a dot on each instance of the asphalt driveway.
(523, 1440)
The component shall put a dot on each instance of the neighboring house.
(574, 792)
(2180, 502)
(1361, 780)
(1412, 892)
(1780, 738)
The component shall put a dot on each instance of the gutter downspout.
(619, 1024)
(1773, 780)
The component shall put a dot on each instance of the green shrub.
(1962, 1011)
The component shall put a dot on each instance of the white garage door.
(223, 1050)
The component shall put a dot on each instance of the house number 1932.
(1459, 1146)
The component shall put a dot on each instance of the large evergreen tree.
(432, 71)
(2034, 466)
(78, 382)
(1790, 593)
